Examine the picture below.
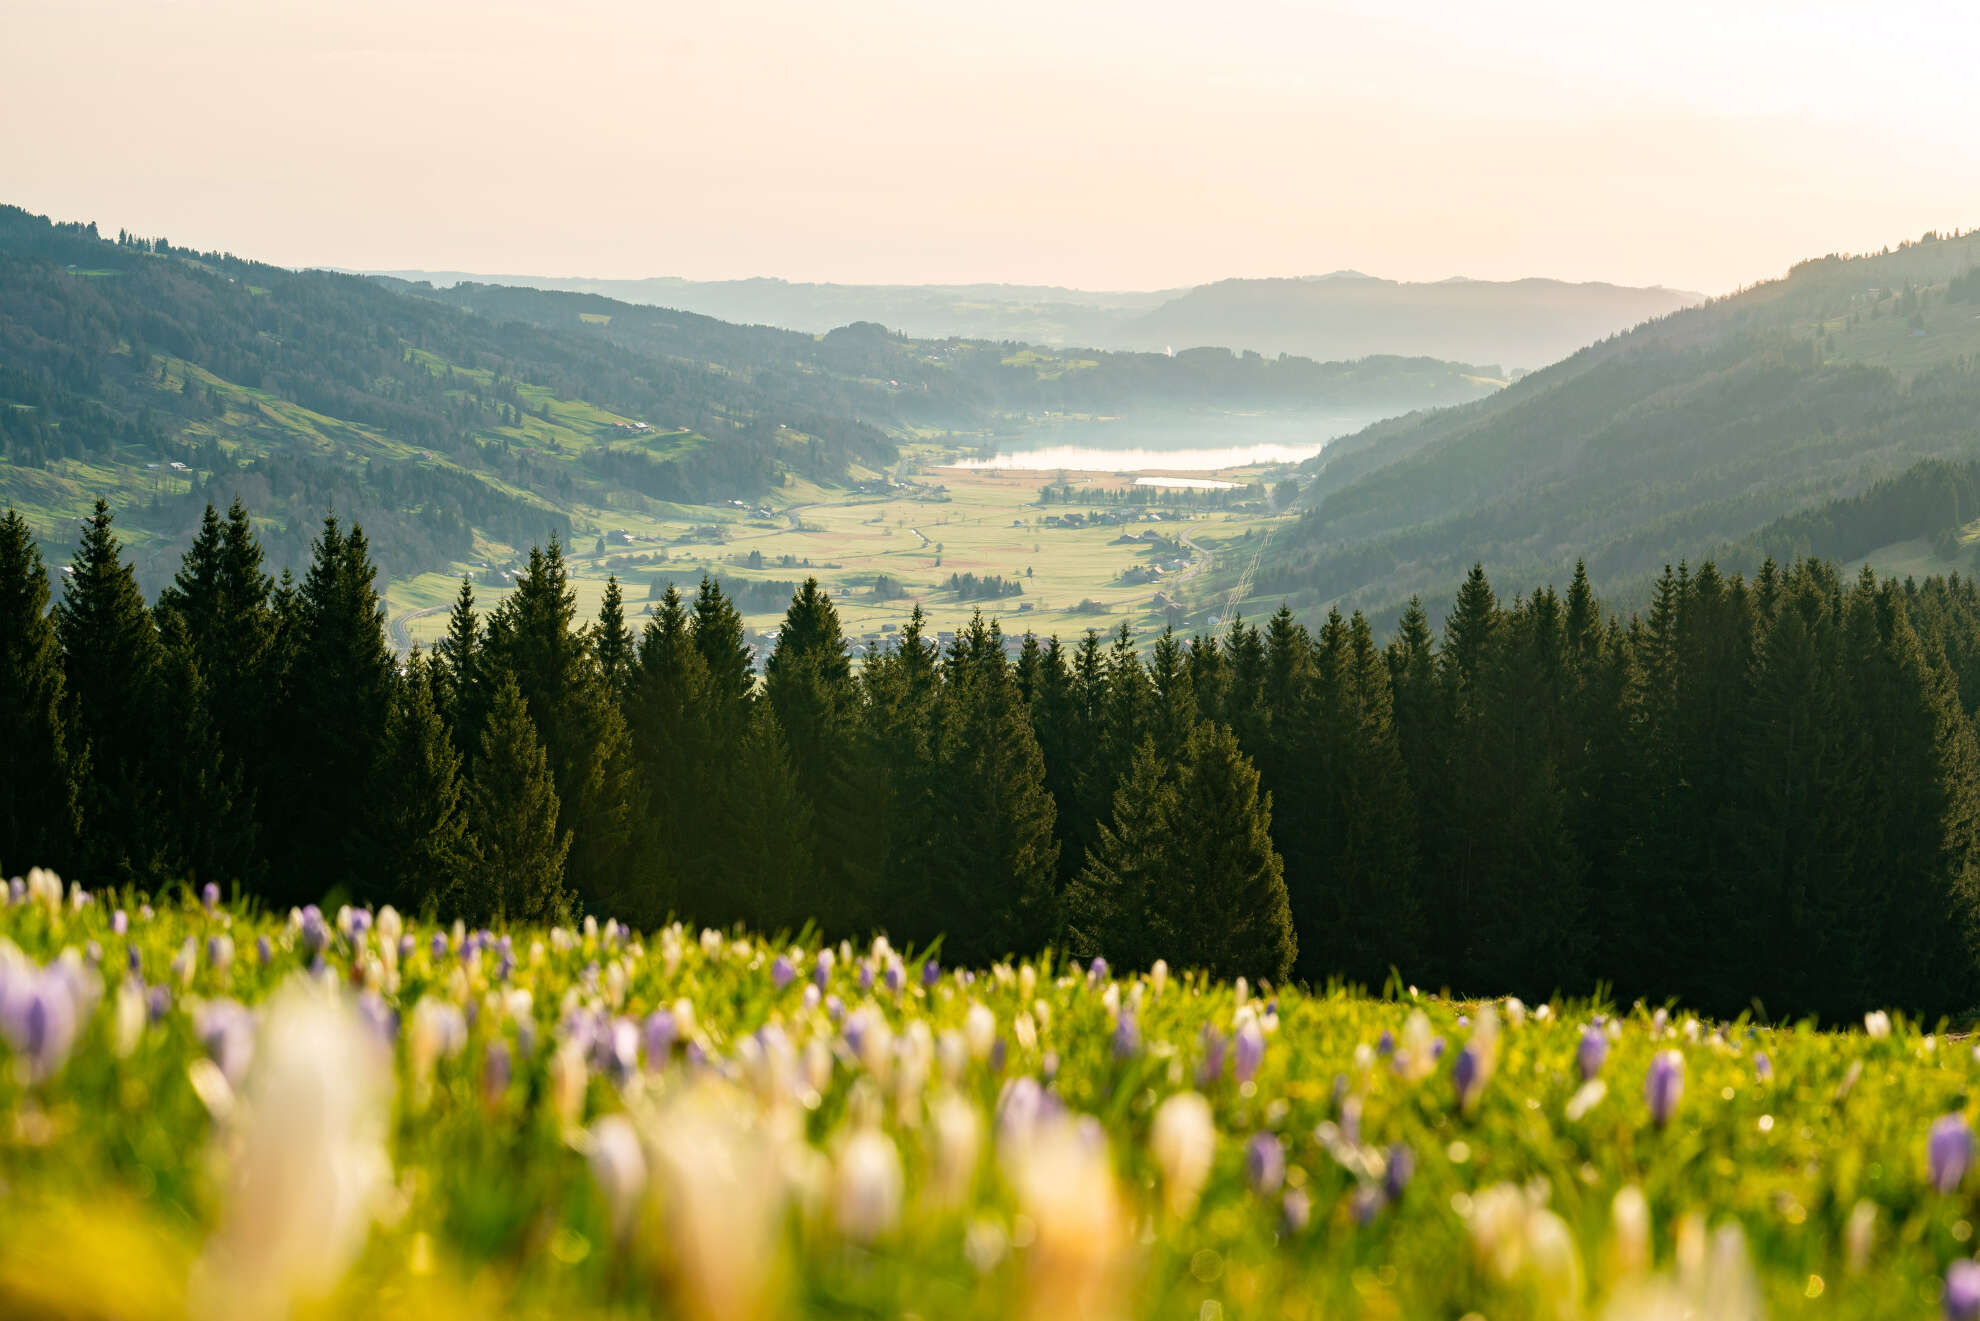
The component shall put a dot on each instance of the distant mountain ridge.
(1341, 315)
(1691, 433)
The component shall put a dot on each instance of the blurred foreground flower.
(311, 1161)
(1949, 1152)
(1664, 1086)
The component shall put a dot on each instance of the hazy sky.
(1138, 144)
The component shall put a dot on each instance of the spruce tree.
(457, 688)
(40, 803)
(518, 849)
(532, 639)
(1187, 871)
(990, 880)
(612, 642)
(111, 683)
(427, 848)
(1109, 909)
(324, 828)
(808, 682)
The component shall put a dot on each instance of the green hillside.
(1693, 430)
(459, 427)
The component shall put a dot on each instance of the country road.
(401, 639)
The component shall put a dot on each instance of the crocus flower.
(1467, 1076)
(1096, 971)
(1962, 1292)
(1366, 1204)
(496, 1070)
(782, 974)
(895, 977)
(1949, 1151)
(225, 1030)
(1249, 1052)
(1385, 1046)
(619, 1166)
(1212, 1066)
(120, 922)
(1127, 1037)
(264, 951)
(931, 972)
(1877, 1025)
(1590, 1054)
(868, 1187)
(1294, 1211)
(1398, 1170)
(309, 1164)
(1265, 1163)
(1763, 1067)
(1183, 1139)
(1664, 1085)
(209, 896)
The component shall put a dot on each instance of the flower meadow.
(214, 1112)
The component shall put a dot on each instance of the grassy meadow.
(210, 1111)
(985, 522)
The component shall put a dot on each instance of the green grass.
(774, 1162)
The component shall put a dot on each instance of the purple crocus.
(865, 974)
(931, 972)
(1265, 1163)
(1366, 1203)
(1663, 1086)
(1249, 1052)
(120, 922)
(821, 969)
(1763, 1067)
(496, 1071)
(1096, 971)
(209, 896)
(895, 977)
(437, 947)
(1590, 1054)
(38, 1016)
(782, 974)
(1212, 1066)
(225, 1029)
(264, 951)
(1962, 1292)
(1385, 1046)
(1295, 1211)
(1466, 1076)
(1396, 1175)
(1949, 1151)
(1127, 1036)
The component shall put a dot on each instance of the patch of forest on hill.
(1697, 429)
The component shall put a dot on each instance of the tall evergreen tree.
(991, 881)
(426, 845)
(324, 829)
(612, 642)
(808, 682)
(518, 847)
(1188, 868)
(111, 665)
(40, 801)
(532, 639)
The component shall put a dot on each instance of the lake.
(1193, 442)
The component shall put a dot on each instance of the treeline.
(1757, 792)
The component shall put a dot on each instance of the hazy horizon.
(1104, 146)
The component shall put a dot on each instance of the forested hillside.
(136, 369)
(1758, 793)
(1693, 431)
